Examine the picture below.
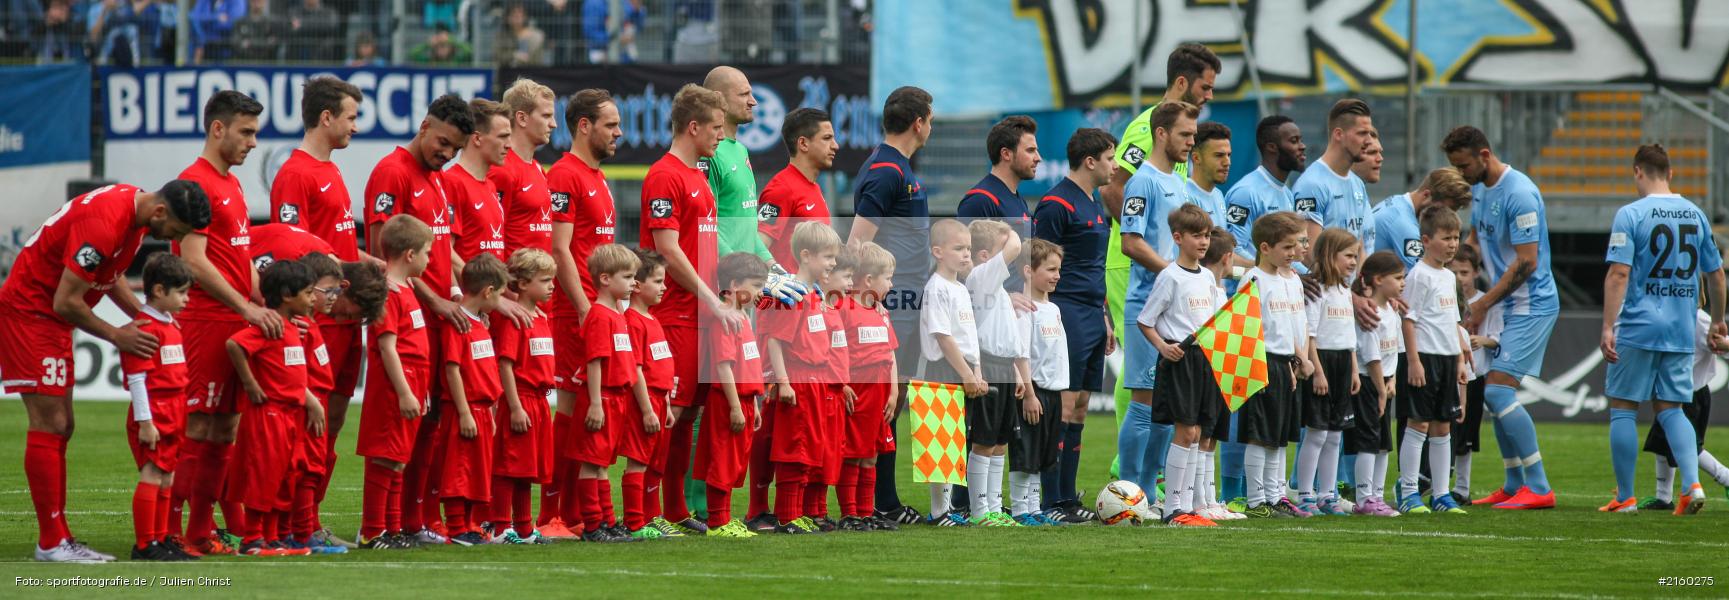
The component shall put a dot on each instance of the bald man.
(729, 175)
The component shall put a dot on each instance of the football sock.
(588, 501)
(1624, 448)
(960, 496)
(373, 495)
(1158, 438)
(1515, 470)
(455, 516)
(144, 513)
(1440, 453)
(1071, 462)
(939, 499)
(1209, 479)
(788, 491)
(1019, 495)
(1133, 437)
(1231, 469)
(1048, 485)
(1309, 460)
(1302, 442)
(603, 492)
(847, 491)
(164, 498)
(1504, 402)
(1410, 461)
(1462, 474)
(393, 503)
(677, 467)
(1665, 479)
(553, 493)
(1276, 472)
(866, 493)
(1683, 445)
(1177, 479)
(40, 462)
(1713, 467)
(1347, 464)
(719, 506)
(1327, 472)
(634, 517)
(523, 523)
(187, 473)
(994, 492)
(1381, 474)
(201, 515)
(570, 507)
(409, 505)
(251, 527)
(1254, 466)
(503, 500)
(651, 493)
(887, 497)
(1365, 472)
(761, 468)
(305, 508)
(978, 472)
(815, 493)
(1194, 471)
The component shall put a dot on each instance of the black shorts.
(1185, 392)
(1270, 417)
(1333, 411)
(1467, 433)
(1438, 399)
(1698, 413)
(991, 417)
(1084, 327)
(1034, 447)
(1370, 430)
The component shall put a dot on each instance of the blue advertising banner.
(44, 115)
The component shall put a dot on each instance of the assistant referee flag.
(1235, 346)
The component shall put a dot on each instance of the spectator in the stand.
(522, 43)
(635, 18)
(258, 35)
(212, 22)
(557, 18)
(855, 33)
(365, 51)
(311, 26)
(442, 50)
(59, 35)
(594, 33)
(438, 12)
(18, 20)
(157, 21)
(114, 32)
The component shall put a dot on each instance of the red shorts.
(867, 433)
(833, 433)
(567, 367)
(435, 379)
(467, 471)
(723, 456)
(687, 390)
(210, 378)
(523, 455)
(662, 442)
(35, 354)
(316, 450)
(798, 427)
(384, 434)
(266, 452)
(342, 341)
(634, 442)
(596, 447)
(167, 413)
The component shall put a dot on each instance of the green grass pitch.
(1572, 551)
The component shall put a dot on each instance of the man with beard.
(1014, 152)
(1328, 194)
(1263, 191)
(1396, 217)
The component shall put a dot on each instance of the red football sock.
(250, 528)
(573, 510)
(677, 466)
(503, 498)
(551, 494)
(719, 506)
(847, 491)
(373, 498)
(815, 493)
(144, 513)
(408, 504)
(633, 514)
(329, 468)
(187, 473)
(761, 471)
(603, 490)
(272, 527)
(651, 494)
(393, 504)
(788, 491)
(588, 500)
(219, 481)
(39, 465)
(867, 490)
(305, 512)
(523, 496)
(456, 515)
(164, 500)
(201, 503)
(60, 442)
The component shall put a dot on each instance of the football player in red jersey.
(222, 303)
(476, 199)
(79, 255)
(520, 181)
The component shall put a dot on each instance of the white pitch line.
(1504, 538)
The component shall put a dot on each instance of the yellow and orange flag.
(939, 432)
(1236, 347)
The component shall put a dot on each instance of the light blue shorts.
(1524, 339)
(1140, 358)
(1642, 374)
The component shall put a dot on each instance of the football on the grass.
(1121, 503)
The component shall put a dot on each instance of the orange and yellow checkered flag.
(1236, 347)
(939, 432)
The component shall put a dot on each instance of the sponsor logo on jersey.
(1134, 207)
(322, 355)
(749, 351)
(289, 214)
(837, 339)
(873, 335)
(767, 214)
(172, 355)
(659, 351)
(263, 261)
(417, 318)
(1413, 248)
(294, 356)
(660, 208)
(88, 257)
(1305, 205)
(814, 323)
(1236, 215)
(560, 202)
(479, 349)
(384, 203)
(621, 342)
(540, 346)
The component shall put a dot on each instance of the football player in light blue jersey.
(1209, 168)
(1328, 194)
(1396, 217)
(1148, 199)
(1263, 191)
(1368, 169)
(1660, 250)
(1511, 232)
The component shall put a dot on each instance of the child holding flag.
(1217, 260)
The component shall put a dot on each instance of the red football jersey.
(652, 350)
(581, 198)
(677, 197)
(320, 377)
(91, 235)
(839, 363)
(166, 371)
(279, 365)
(403, 318)
(527, 203)
(478, 211)
(803, 331)
(277, 241)
(529, 351)
(741, 350)
(606, 336)
(229, 239)
(788, 199)
(871, 338)
(401, 185)
(309, 193)
(472, 353)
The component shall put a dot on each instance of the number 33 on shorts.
(54, 371)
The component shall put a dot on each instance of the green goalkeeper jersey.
(734, 185)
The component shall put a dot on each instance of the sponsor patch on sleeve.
(288, 213)
(1134, 207)
(1305, 205)
(1525, 221)
(1617, 239)
(767, 214)
(660, 208)
(1236, 215)
(561, 202)
(384, 203)
(88, 257)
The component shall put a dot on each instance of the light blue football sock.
(1683, 445)
(1504, 401)
(1624, 449)
(1133, 439)
(1348, 469)
(1509, 458)
(1231, 483)
(1154, 466)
